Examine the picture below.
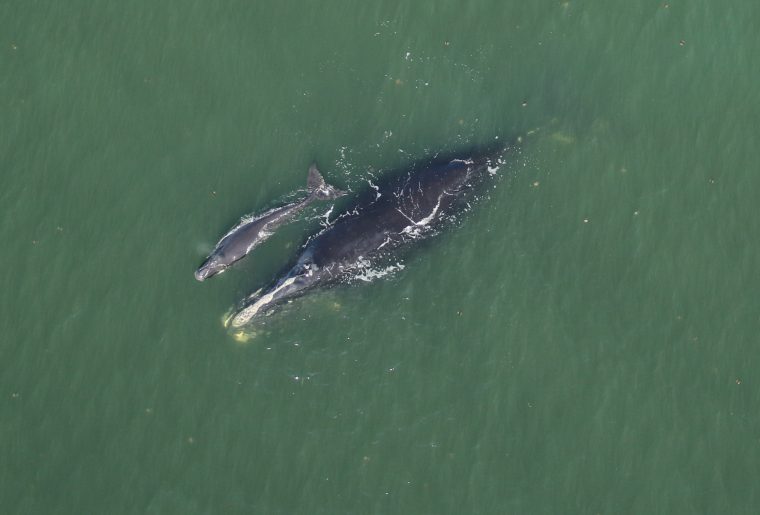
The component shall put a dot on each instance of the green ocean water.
(585, 341)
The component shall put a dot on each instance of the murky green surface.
(585, 342)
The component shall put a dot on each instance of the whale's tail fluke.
(317, 186)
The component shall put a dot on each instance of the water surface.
(584, 342)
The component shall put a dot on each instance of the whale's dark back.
(405, 207)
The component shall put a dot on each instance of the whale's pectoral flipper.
(317, 186)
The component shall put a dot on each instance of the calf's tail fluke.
(317, 186)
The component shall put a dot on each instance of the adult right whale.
(406, 209)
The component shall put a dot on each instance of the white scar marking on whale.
(414, 230)
(405, 216)
(246, 314)
(386, 242)
(429, 217)
(376, 188)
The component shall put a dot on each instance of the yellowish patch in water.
(562, 137)
(242, 338)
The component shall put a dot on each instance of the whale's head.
(301, 278)
(211, 267)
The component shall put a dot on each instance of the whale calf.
(409, 208)
(252, 231)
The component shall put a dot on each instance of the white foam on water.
(493, 169)
(364, 271)
(325, 219)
